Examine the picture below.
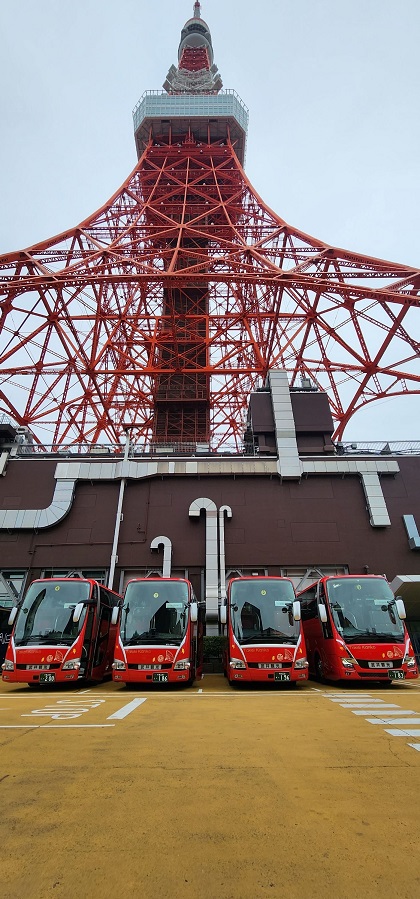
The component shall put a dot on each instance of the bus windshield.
(46, 614)
(154, 612)
(262, 611)
(363, 609)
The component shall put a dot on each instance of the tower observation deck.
(167, 307)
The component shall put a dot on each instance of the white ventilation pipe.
(212, 568)
(222, 558)
(167, 553)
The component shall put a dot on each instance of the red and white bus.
(265, 641)
(160, 638)
(354, 630)
(64, 629)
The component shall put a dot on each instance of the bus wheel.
(319, 669)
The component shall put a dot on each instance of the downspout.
(212, 568)
(222, 558)
(118, 516)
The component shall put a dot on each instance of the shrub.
(213, 647)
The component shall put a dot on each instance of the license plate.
(396, 675)
(380, 664)
(46, 678)
(281, 675)
(160, 678)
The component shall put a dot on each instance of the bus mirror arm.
(223, 615)
(12, 615)
(194, 612)
(78, 611)
(322, 612)
(399, 602)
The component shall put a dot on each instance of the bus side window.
(326, 627)
(308, 605)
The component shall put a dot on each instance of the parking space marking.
(370, 706)
(394, 720)
(126, 709)
(398, 711)
(404, 733)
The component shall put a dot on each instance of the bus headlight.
(71, 665)
(237, 663)
(301, 663)
(347, 663)
(409, 661)
(182, 665)
(8, 666)
(117, 665)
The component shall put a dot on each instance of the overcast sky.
(333, 91)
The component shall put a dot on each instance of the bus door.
(88, 641)
(197, 638)
(103, 652)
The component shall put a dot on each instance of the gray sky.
(333, 147)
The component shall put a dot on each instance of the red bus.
(160, 638)
(354, 630)
(63, 631)
(265, 641)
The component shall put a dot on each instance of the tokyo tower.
(164, 309)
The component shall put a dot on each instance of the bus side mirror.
(399, 602)
(114, 616)
(12, 615)
(322, 612)
(78, 611)
(296, 610)
(194, 612)
(223, 614)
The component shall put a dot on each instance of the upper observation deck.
(207, 116)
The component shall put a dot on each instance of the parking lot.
(210, 791)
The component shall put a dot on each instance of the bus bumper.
(262, 675)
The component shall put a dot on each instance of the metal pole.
(118, 516)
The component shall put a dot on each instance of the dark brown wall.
(319, 521)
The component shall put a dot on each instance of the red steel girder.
(90, 330)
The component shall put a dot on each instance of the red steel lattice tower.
(167, 306)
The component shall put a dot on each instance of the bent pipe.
(36, 519)
(222, 556)
(212, 568)
(156, 543)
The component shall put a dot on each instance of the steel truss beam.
(185, 280)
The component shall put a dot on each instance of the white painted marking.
(49, 726)
(397, 712)
(18, 726)
(370, 706)
(363, 701)
(415, 746)
(126, 709)
(398, 721)
(404, 733)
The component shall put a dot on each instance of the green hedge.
(213, 647)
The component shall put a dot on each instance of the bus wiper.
(154, 638)
(269, 635)
(388, 638)
(134, 641)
